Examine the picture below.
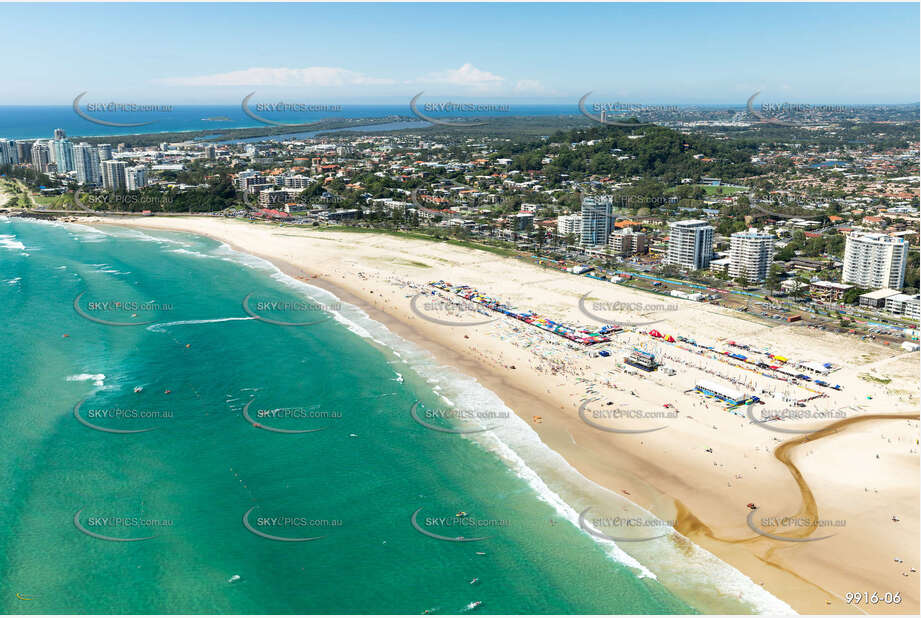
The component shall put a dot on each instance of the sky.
(657, 53)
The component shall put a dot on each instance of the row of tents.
(578, 335)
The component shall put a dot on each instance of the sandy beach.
(703, 464)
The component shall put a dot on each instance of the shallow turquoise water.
(202, 465)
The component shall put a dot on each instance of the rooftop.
(880, 294)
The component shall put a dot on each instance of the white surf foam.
(162, 326)
(8, 241)
(98, 379)
(136, 234)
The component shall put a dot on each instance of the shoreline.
(297, 129)
(652, 482)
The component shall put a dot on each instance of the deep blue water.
(36, 121)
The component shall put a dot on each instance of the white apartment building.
(875, 261)
(135, 178)
(750, 255)
(569, 224)
(41, 156)
(690, 244)
(627, 242)
(86, 164)
(903, 304)
(295, 182)
(596, 220)
(113, 175)
(522, 221)
(269, 197)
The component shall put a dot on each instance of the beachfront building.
(247, 180)
(113, 175)
(828, 291)
(24, 150)
(875, 261)
(135, 178)
(904, 304)
(596, 219)
(877, 298)
(720, 265)
(86, 164)
(268, 197)
(569, 224)
(750, 254)
(690, 244)
(41, 157)
(8, 152)
(627, 242)
(105, 151)
(521, 222)
(62, 152)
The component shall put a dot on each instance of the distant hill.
(647, 150)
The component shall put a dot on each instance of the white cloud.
(265, 76)
(468, 75)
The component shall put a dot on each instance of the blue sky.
(361, 53)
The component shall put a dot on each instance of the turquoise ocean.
(171, 443)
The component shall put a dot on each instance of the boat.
(475, 604)
(461, 514)
(138, 389)
(233, 579)
(474, 580)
